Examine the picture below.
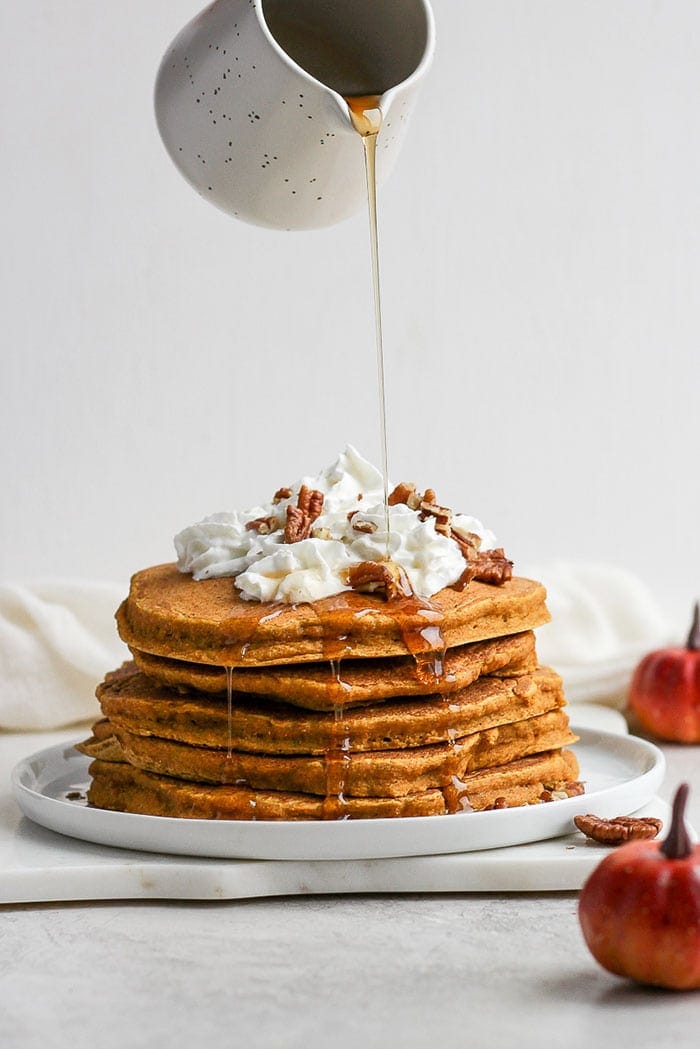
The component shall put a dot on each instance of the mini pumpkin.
(665, 690)
(640, 908)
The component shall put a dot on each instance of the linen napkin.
(58, 638)
(604, 620)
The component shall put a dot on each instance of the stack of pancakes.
(348, 707)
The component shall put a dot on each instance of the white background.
(541, 266)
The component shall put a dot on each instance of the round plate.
(621, 774)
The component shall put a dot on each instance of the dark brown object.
(678, 844)
(693, 642)
(618, 830)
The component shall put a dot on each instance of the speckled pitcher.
(266, 136)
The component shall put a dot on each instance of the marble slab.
(38, 865)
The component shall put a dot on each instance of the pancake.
(315, 686)
(168, 614)
(136, 704)
(384, 773)
(127, 789)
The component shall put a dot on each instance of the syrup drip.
(238, 648)
(366, 118)
(229, 707)
(337, 761)
(455, 792)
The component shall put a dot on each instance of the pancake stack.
(353, 706)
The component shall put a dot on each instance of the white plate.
(621, 773)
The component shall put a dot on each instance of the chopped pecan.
(468, 544)
(429, 508)
(300, 518)
(492, 566)
(375, 577)
(618, 830)
(546, 795)
(280, 494)
(401, 494)
(263, 525)
(465, 578)
(369, 527)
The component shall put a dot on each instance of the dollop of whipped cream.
(268, 569)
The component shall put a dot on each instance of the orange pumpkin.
(640, 908)
(665, 690)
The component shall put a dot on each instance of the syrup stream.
(423, 639)
(366, 118)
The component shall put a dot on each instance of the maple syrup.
(229, 706)
(366, 117)
(419, 621)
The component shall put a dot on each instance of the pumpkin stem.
(693, 642)
(678, 844)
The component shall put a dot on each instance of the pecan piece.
(369, 527)
(298, 525)
(377, 577)
(442, 514)
(618, 830)
(492, 566)
(263, 525)
(300, 518)
(310, 501)
(280, 494)
(465, 578)
(401, 494)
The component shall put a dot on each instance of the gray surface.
(319, 972)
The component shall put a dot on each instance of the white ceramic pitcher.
(249, 102)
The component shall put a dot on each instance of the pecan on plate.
(618, 830)
(379, 577)
(300, 518)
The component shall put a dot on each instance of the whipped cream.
(268, 569)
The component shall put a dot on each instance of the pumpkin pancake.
(126, 789)
(168, 614)
(131, 701)
(382, 773)
(315, 686)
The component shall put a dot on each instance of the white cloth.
(604, 620)
(57, 640)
